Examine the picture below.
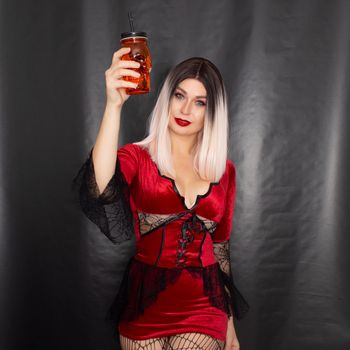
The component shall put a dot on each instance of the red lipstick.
(182, 122)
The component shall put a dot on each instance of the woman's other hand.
(231, 337)
(115, 85)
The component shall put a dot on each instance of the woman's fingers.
(125, 64)
(122, 84)
(118, 62)
(119, 53)
(120, 72)
(115, 84)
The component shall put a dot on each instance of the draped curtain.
(286, 70)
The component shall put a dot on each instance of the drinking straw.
(131, 21)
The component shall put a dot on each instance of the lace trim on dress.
(237, 306)
(150, 221)
(194, 224)
(142, 283)
(109, 210)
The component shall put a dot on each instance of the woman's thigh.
(194, 341)
(147, 344)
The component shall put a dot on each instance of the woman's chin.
(183, 133)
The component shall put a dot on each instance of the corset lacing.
(191, 226)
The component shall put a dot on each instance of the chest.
(189, 185)
(157, 193)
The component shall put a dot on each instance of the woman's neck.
(182, 145)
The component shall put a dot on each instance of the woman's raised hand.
(115, 85)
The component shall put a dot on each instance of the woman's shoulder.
(230, 166)
(230, 172)
(132, 152)
(130, 148)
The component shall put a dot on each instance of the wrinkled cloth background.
(286, 69)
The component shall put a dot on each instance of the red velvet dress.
(180, 279)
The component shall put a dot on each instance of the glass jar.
(139, 52)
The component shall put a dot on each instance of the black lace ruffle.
(142, 283)
(109, 210)
(237, 305)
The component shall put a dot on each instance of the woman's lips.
(182, 122)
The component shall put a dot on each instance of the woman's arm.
(232, 342)
(104, 151)
(237, 305)
(101, 186)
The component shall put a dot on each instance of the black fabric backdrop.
(286, 70)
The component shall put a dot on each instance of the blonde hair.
(210, 153)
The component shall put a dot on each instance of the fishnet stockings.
(183, 341)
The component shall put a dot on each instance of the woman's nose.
(186, 107)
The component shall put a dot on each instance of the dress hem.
(174, 332)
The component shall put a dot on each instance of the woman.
(175, 192)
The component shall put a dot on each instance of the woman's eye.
(179, 96)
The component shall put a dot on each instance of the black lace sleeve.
(109, 210)
(237, 305)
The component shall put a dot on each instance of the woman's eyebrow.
(186, 93)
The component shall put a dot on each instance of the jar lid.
(132, 34)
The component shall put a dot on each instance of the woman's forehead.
(192, 87)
